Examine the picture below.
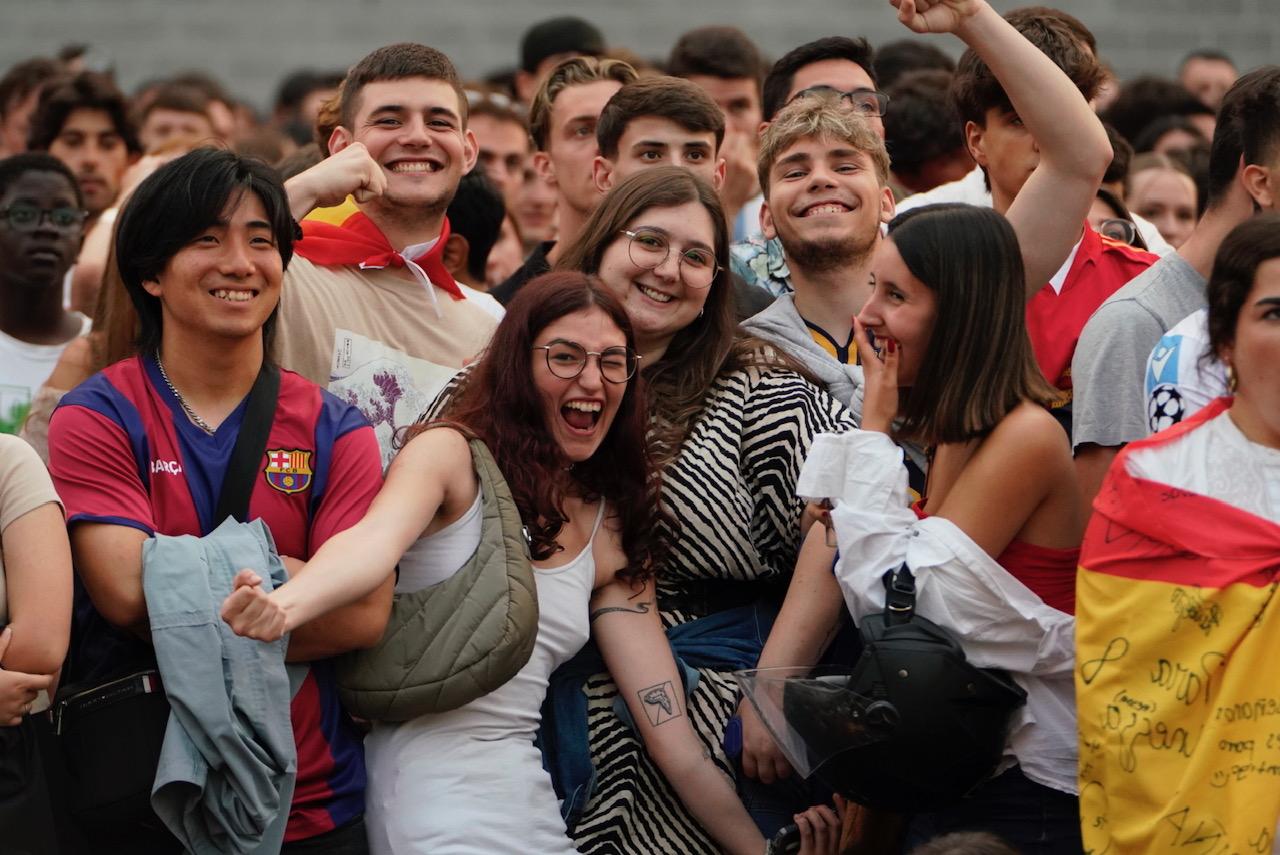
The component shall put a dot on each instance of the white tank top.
(432, 559)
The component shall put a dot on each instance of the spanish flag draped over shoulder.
(1177, 669)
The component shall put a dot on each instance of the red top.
(1055, 319)
(1050, 573)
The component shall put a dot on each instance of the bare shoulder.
(1030, 434)
(441, 445)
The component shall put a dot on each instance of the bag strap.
(251, 444)
(494, 487)
(899, 596)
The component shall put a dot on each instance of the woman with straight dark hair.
(730, 421)
(1178, 617)
(993, 542)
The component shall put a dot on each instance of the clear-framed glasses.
(865, 102)
(568, 359)
(23, 217)
(1119, 229)
(648, 248)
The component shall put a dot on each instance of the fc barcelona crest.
(288, 470)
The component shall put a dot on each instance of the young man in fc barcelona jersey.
(141, 448)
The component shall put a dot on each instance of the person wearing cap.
(549, 43)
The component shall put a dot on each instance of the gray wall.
(251, 44)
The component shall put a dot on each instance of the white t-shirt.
(23, 369)
(972, 190)
(1179, 379)
(1218, 461)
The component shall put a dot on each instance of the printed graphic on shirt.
(389, 387)
(1164, 402)
(288, 469)
(15, 401)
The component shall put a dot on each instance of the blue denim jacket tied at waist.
(728, 640)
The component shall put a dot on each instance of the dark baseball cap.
(559, 35)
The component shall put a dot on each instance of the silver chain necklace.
(182, 402)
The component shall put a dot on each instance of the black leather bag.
(111, 731)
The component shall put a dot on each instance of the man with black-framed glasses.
(42, 220)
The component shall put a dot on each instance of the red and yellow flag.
(1177, 669)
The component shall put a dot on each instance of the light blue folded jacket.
(228, 762)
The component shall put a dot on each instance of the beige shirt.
(377, 339)
(24, 486)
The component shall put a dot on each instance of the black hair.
(88, 90)
(1151, 134)
(904, 56)
(724, 52)
(476, 213)
(1210, 54)
(777, 83)
(1248, 126)
(173, 205)
(1144, 99)
(24, 78)
(295, 88)
(14, 167)
(923, 123)
(1121, 157)
(1234, 269)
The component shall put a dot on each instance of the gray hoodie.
(781, 325)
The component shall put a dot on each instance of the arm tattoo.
(660, 703)
(639, 609)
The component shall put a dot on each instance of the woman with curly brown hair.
(557, 401)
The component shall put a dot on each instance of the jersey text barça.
(122, 452)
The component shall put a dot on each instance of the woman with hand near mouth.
(994, 541)
(557, 401)
(730, 421)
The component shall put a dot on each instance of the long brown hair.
(499, 402)
(978, 364)
(678, 382)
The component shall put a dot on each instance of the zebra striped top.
(731, 493)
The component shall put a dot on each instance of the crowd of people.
(645, 373)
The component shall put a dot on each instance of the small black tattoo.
(640, 609)
(660, 703)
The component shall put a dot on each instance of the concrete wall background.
(252, 44)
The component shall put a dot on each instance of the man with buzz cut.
(369, 309)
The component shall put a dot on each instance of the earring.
(1233, 382)
(700, 311)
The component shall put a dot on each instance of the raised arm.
(349, 172)
(432, 470)
(1074, 152)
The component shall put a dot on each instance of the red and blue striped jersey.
(123, 452)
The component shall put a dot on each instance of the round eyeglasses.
(648, 248)
(23, 217)
(865, 102)
(1119, 229)
(568, 359)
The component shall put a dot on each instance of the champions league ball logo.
(1164, 408)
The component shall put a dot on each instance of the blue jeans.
(1034, 819)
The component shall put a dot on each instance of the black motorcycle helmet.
(911, 727)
